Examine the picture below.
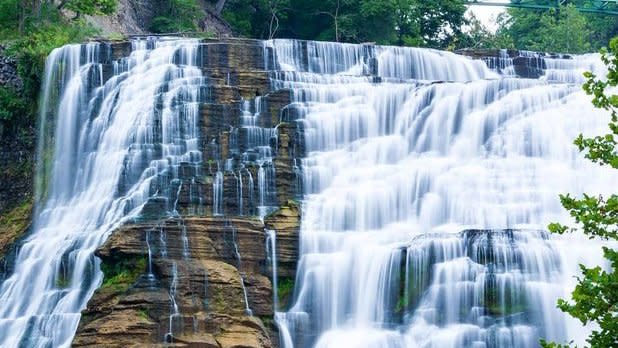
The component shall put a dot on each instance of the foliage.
(180, 16)
(90, 7)
(476, 35)
(595, 298)
(11, 104)
(120, 274)
(285, 289)
(426, 23)
(30, 34)
(565, 30)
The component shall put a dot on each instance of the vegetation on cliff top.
(438, 24)
(31, 30)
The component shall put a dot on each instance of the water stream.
(120, 131)
(428, 185)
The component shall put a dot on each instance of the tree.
(595, 298)
(565, 30)
(89, 7)
(428, 23)
(411, 22)
(178, 16)
(476, 35)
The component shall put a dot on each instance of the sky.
(487, 14)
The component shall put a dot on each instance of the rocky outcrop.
(525, 64)
(8, 72)
(190, 287)
(134, 17)
(203, 278)
(13, 225)
(285, 222)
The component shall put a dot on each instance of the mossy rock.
(121, 273)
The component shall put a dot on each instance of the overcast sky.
(487, 14)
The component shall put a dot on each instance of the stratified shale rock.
(194, 270)
(186, 282)
(525, 64)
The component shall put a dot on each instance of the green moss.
(62, 282)
(14, 224)
(285, 290)
(268, 321)
(512, 304)
(217, 302)
(115, 36)
(402, 304)
(121, 274)
(143, 314)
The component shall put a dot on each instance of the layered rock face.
(194, 269)
(525, 64)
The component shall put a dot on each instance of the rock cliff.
(202, 277)
(195, 269)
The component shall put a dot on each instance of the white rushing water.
(428, 182)
(426, 201)
(117, 142)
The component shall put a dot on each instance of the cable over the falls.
(425, 181)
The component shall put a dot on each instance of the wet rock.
(202, 277)
(286, 223)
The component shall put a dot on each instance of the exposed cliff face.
(134, 17)
(8, 72)
(207, 286)
(525, 64)
(191, 279)
(199, 279)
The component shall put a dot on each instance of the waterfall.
(121, 130)
(428, 183)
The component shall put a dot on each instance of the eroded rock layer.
(194, 269)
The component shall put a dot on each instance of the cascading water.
(122, 130)
(429, 180)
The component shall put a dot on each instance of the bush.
(180, 16)
(12, 105)
(41, 32)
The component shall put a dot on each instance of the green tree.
(89, 7)
(595, 298)
(179, 16)
(411, 22)
(564, 30)
(428, 23)
(31, 29)
(262, 19)
(476, 35)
